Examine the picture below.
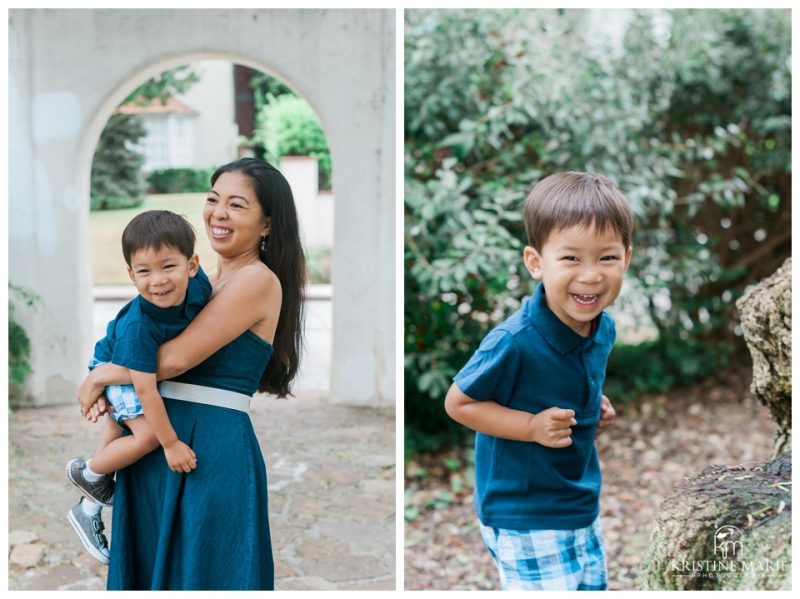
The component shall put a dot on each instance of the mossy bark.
(731, 528)
(766, 315)
(684, 552)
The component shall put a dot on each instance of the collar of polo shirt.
(561, 337)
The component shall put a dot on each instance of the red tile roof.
(156, 107)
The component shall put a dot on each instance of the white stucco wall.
(215, 130)
(314, 209)
(69, 69)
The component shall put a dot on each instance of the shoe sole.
(87, 544)
(82, 490)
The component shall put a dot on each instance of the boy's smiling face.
(582, 271)
(162, 276)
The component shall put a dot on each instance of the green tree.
(265, 87)
(689, 115)
(171, 82)
(117, 180)
(287, 126)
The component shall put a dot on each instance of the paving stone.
(21, 537)
(283, 569)
(382, 584)
(95, 583)
(318, 548)
(332, 523)
(306, 583)
(362, 538)
(379, 487)
(344, 568)
(27, 555)
(384, 460)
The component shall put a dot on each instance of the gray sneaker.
(101, 491)
(90, 530)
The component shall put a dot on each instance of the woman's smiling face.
(233, 217)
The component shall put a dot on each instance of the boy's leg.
(595, 571)
(124, 451)
(534, 560)
(111, 432)
(97, 487)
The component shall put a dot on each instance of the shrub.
(319, 265)
(19, 345)
(287, 126)
(180, 180)
(690, 116)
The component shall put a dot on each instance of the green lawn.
(108, 265)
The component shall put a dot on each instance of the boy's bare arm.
(180, 456)
(549, 427)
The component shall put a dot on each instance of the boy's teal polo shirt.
(533, 361)
(133, 337)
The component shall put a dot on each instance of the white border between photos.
(399, 7)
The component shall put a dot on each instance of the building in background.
(169, 141)
(196, 129)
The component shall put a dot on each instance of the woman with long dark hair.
(209, 529)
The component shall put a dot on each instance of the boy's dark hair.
(576, 198)
(156, 229)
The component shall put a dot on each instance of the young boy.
(159, 248)
(533, 391)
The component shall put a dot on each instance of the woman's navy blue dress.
(209, 529)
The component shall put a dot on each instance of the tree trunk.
(766, 314)
(731, 528)
(728, 528)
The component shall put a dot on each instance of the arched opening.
(195, 118)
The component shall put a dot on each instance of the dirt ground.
(655, 443)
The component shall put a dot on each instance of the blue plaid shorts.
(123, 397)
(552, 560)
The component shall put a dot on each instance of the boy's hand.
(552, 427)
(102, 406)
(607, 415)
(180, 457)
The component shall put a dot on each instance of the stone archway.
(68, 71)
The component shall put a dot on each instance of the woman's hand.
(94, 385)
(90, 392)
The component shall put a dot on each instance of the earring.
(264, 244)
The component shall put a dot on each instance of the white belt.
(207, 395)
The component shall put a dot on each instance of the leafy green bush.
(19, 345)
(180, 180)
(689, 115)
(266, 87)
(287, 126)
(319, 265)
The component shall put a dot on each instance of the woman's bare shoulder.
(255, 278)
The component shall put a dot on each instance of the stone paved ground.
(332, 495)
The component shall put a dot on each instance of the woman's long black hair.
(284, 256)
